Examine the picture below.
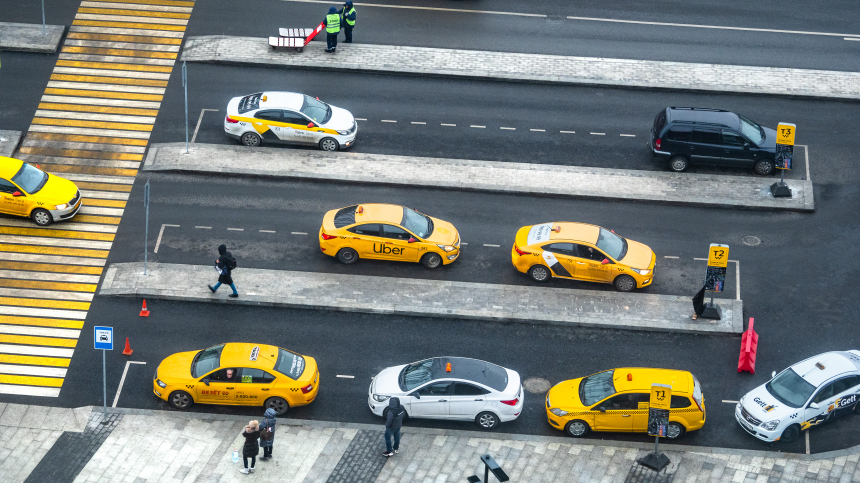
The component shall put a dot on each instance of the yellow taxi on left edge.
(388, 232)
(238, 374)
(26, 190)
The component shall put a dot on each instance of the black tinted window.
(679, 402)
(7, 187)
(560, 248)
(370, 229)
(391, 231)
(678, 133)
(851, 382)
(732, 139)
(290, 117)
(257, 376)
(463, 389)
(345, 216)
(660, 121)
(269, 115)
(706, 137)
(824, 393)
(622, 401)
(435, 389)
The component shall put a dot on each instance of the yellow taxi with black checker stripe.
(288, 117)
(388, 232)
(26, 190)
(618, 399)
(238, 374)
(585, 252)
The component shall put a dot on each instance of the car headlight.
(63, 206)
(641, 272)
(160, 383)
(447, 248)
(739, 405)
(558, 412)
(380, 398)
(343, 133)
(770, 425)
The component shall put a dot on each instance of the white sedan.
(453, 388)
(809, 393)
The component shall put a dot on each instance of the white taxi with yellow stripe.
(288, 117)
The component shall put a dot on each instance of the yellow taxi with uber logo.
(388, 232)
(238, 374)
(581, 251)
(26, 190)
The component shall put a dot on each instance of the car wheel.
(347, 256)
(487, 420)
(577, 428)
(431, 260)
(279, 404)
(790, 434)
(675, 431)
(763, 167)
(41, 217)
(180, 400)
(624, 283)
(539, 273)
(679, 164)
(251, 139)
(329, 144)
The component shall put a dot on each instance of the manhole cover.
(536, 385)
(751, 240)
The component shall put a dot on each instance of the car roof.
(282, 100)
(9, 167)
(703, 116)
(834, 364)
(379, 212)
(643, 378)
(474, 370)
(239, 354)
(576, 232)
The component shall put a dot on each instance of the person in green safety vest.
(332, 29)
(347, 18)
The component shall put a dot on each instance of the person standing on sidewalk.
(252, 447)
(393, 422)
(225, 264)
(332, 29)
(347, 15)
(267, 434)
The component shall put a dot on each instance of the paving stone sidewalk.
(507, 66)
(9, 141)
(169, 446)
(751, 192)
(426, 298)
(29, 37)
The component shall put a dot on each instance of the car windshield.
(317, 110)
(30, 179)
(206, 361)
(415, 375)
(612, 244)
(290, 364)
(596, 387)
(420, 225)
(790, 388)
(751, 130)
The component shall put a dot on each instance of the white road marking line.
(669, 256)
(599, 133)
(29, 257)
(267, 231)
(414, 122)
(104, 195)
(95, 101)
(57, 242)
(509, 128)
(478, 127)
(86, 116)
(204, 227)
(568, 132)
(92, 86)
(29, 390)
(160, 233)
(122, 380)
(199, 120)
(98, 210)
(388, 120)
(360, 119)
(298, 233)
(35, 350)
(452, 125)
(62, 226)
(737, 275)
(121, 31)
(847, 38)
(807, 441)
(537, 130)
(346, 377)
(438, 9)
(729, 402)
(32, 370)
(39, 331)
(126, 18)
(627, 135)
(129, 6)
(235, 229)
(45, 294)
(491, 245)
(89, 131)
(49, 276)
(463, 243)
(111, 73)
(806, 152)
(35, 312)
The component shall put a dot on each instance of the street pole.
(104, 387)
(185, 85)
(43, 17)
(146, 230)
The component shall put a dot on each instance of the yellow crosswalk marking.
(114, 66)
(101, 187)
(80, 138)
(104, 95)
(44, 303)
(96, 124)
(108, 220)
(71, 252)
(50, 267)
(41, 322)
(79, 153)
(81, 235)
(97, 79)
(34, 360)
(140, 39)
(103, 109)
(105, 203)
(31, 380)
(37, 284)
(122, 52)
(129, 25)
(133, 13)
(168, 3)
(66, 168)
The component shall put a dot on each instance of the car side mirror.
(17, 194)
(605, 261)
(206, 381)
(601, 409)
(310, 124)
(746, 145)
(773, 374)
(813, 405)
(412, 240)
(416, 395)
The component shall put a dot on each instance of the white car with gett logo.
(809, 393)
(453, 388)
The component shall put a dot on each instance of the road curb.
(26, 37)
(9, 141)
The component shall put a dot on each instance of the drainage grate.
(750, 240)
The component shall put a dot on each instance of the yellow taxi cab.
(618, 400)
(388, 232)
(26, 190)
(580, 251)
(238, 374)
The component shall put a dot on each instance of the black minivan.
(694, 135)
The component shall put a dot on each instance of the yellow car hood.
(176, 366)
(57, 190)
(565, 394)
(638, 255)
(444, 233)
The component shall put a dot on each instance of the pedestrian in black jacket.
(252, 445)
(225, 264)
(393, 422)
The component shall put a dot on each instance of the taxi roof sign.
(661, 396)
(718, 255)
(785, 133)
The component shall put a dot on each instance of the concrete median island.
(750, 192)
(425, 298)
(30, 37)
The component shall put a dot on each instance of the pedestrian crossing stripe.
(92, 126)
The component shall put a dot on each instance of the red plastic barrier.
(314, 33)
(749, 346)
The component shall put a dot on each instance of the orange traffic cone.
(127, 351)
(144, 312)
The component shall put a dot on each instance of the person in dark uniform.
(332, 29)
(347, 16)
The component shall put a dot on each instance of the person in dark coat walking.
(393, 422)
(347, 16)
(332, 29)
(251, 447)
(267, 434)
(225, 264)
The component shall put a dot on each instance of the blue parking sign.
(104, 338)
